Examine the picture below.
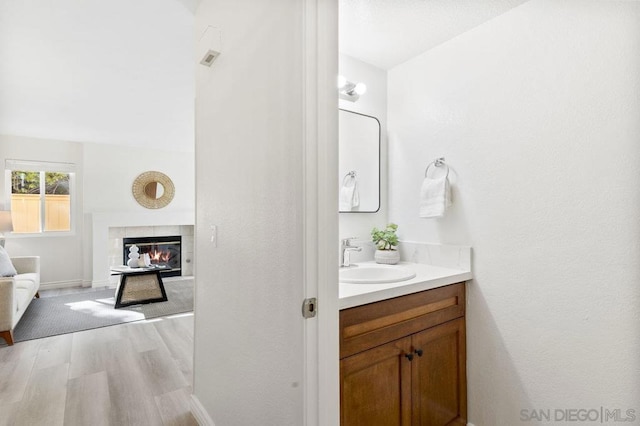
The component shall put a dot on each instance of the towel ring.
(352, 174)
(438, 162)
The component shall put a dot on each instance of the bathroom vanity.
(402, 351)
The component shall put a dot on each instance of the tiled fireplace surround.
(108, 229)
(116, 235)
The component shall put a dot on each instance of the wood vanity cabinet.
(402, 360)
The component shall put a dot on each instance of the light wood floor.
(138, 373)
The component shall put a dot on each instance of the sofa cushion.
(6, 267)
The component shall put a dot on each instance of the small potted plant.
(386, 242)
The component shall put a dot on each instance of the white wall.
(108, 201)
(537, 113)
(111, 170)
(103, 185)
(118, 73)
(248, 366)
(60, 256)
(374, 103)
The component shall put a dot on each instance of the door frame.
(320, 103)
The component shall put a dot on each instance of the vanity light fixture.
(350, 91)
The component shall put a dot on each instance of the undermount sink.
(374, 273)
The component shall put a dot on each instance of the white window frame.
(42, 167)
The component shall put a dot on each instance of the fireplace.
(162, 251)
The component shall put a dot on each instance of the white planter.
(388, 257)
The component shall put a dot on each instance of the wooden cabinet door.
(439, 391)
(375, 386)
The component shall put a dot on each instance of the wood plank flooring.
(138, 373)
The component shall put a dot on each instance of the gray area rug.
(50, 316)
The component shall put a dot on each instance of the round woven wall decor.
(153, 190)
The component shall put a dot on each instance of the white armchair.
(17, 292)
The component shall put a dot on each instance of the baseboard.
(470, 424)
(180, 278)
(100, 283)
(200, 414)
(61, 284)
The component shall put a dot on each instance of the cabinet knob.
(419, 352)
(409, 356)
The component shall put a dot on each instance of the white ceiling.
(386, 33)
(110, 71)
(122, 71)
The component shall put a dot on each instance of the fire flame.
(159, 256)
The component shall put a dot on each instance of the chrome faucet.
(345, 252)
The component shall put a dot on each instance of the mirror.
(359, 162)
(153, 190)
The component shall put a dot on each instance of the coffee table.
(139, 285)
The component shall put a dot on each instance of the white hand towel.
(349, 195)
(435, 197)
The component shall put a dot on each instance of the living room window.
(41, 196)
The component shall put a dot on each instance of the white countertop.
(427, 277)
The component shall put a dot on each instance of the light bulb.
(360, 88)
(342, 81)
